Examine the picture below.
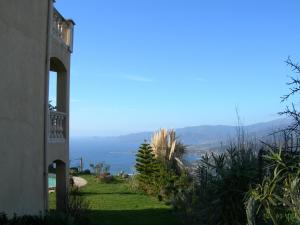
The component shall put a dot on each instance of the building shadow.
(134, 217)
(106, 193)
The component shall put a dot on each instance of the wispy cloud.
(74, 100)
(200, 79)
(138, 78)
(107, 109)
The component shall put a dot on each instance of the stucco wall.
(60, 52)
(23, 42)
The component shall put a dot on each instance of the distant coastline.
(119, 152)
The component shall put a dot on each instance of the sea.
(119, 155)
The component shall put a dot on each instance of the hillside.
(119, 152)
(206, 134)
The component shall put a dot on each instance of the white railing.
(56, 126)
(63, 29)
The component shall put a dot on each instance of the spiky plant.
(221, 182)
(278, 196)
(166, 146)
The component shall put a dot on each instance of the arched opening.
(57, 185)
(52, 90)
(58, 84)
(58, 100)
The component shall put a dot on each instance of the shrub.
(75, 214)
(100, 170)
(74, 171)
(106, 178)
(276, 199)
(133, 183)
(51, 218)
(156, 165)
(155, 176)
(220, 185)
(168, 183)
(86, 172)
(77, 205)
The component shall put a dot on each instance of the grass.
(116, 204)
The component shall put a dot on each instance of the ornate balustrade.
(56, 126)
(63, 29)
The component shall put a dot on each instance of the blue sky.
(140, 65)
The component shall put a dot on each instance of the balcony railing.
(56, 126)
(63, 29)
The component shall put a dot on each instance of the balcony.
(57, 122)
(62, 30)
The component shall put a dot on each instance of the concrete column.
(63, 98)
(62, 91)
(61, 186)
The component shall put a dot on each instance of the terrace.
(62, 30)
(61, 47)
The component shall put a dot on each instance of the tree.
(146, 166)
(291, 111)
(277, 197)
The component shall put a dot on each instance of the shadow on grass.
(108, 193)
(113, 181)
(133, 217)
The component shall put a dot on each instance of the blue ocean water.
(119, 155)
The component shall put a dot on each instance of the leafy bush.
(276, 199)
(220, 185)
(77, 206)
(155, 175)
(86, 172)
(106, 178)
(99, 168)
(51, 218)
(133, 184)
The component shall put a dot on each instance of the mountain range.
(206, 137)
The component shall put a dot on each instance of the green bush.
(276, 199)
(77, 206)
(51, 218)
(156, 177)
(133, 184)
(220, 185)
(167, 182)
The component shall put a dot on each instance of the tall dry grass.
(166, 145)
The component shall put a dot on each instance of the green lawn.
(116, 204)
